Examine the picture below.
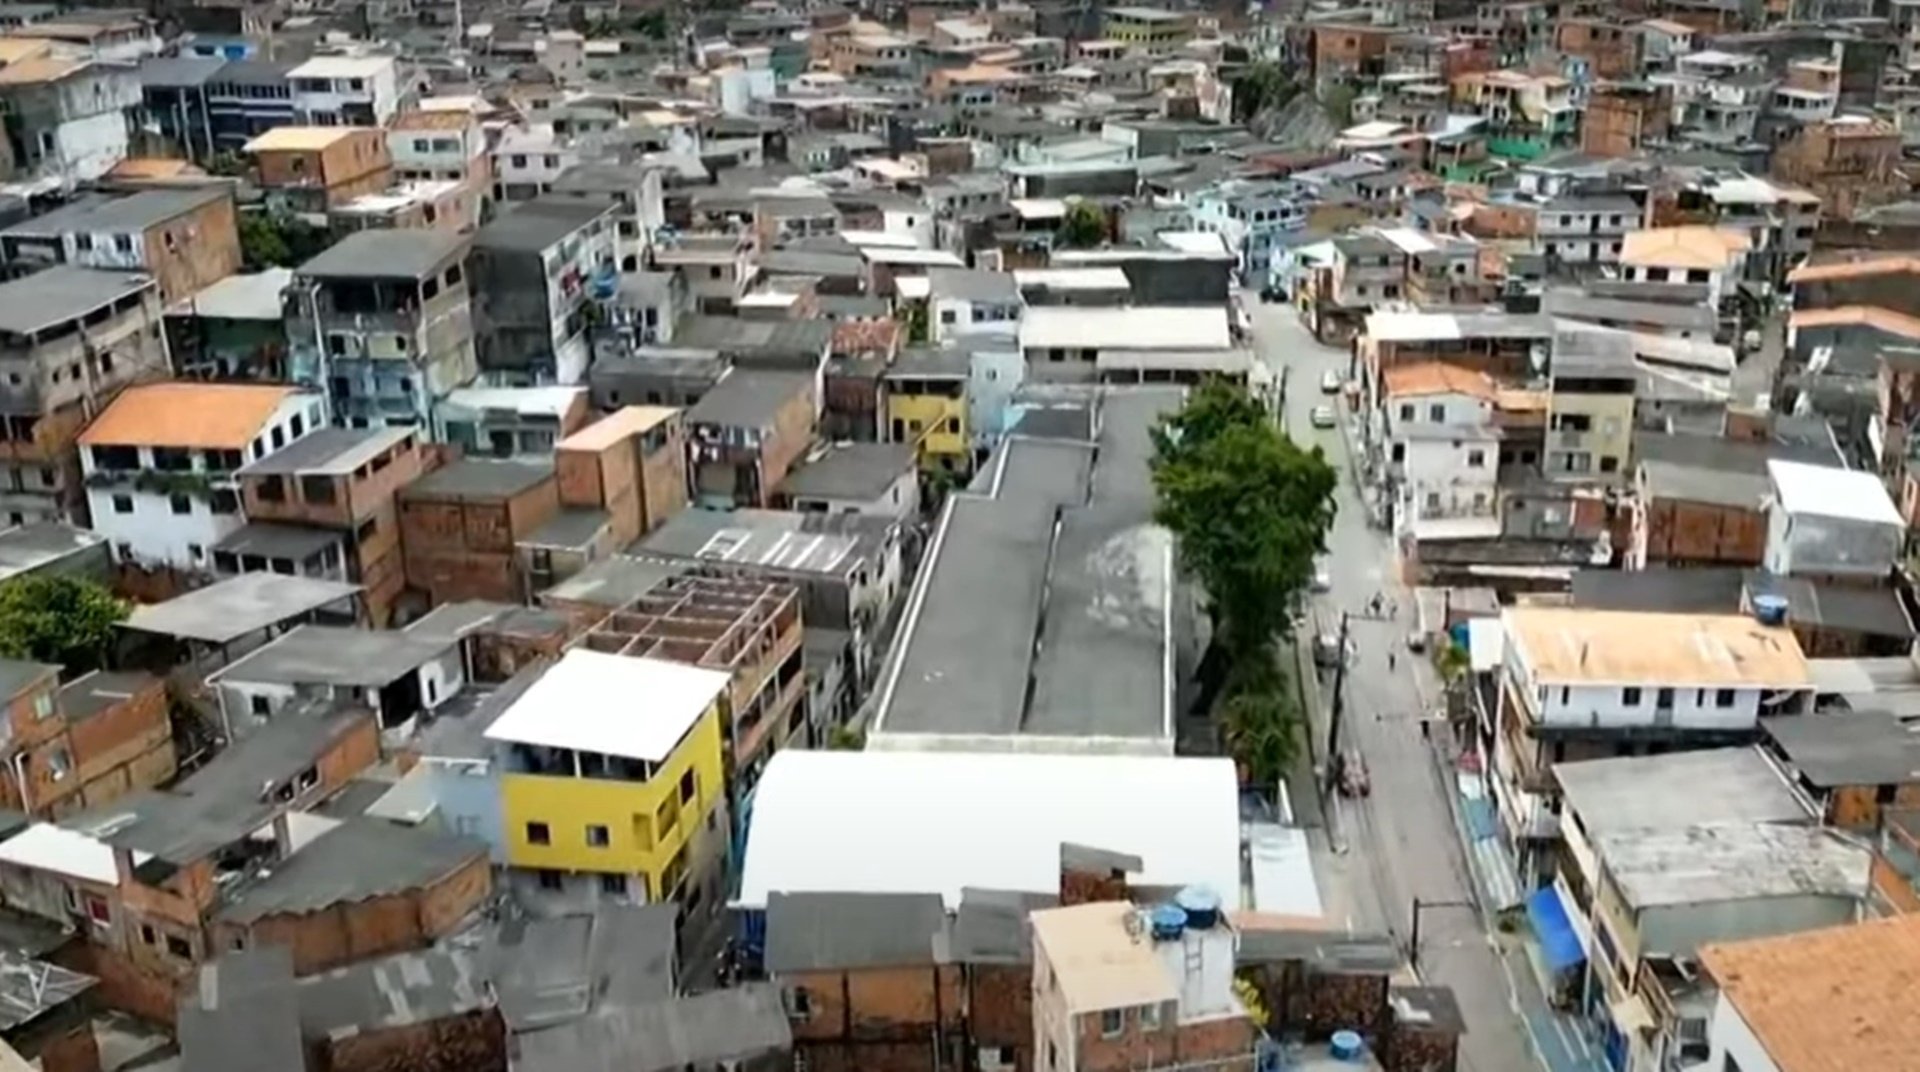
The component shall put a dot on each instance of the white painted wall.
(379, 89)
(951, 318)
(89, 148)
(1733, 1043)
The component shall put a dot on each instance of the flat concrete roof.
(1042, 618)
(336, 655)
(228, 610)
(1676, 790)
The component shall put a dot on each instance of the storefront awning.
(1559, 943)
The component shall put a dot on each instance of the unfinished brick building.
(748, 628)
(459, 527)
(1850, 162)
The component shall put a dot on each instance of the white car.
(1330, 383)
(1322, 577)
(1322, 417)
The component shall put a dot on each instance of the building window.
(689, 787)
(799, 1003)
(123, 504)
(180, 504)
(1630, 696)
(614, 885)
(1406, 412)
(1476, 459)
(552, 880)
(179, 947)
(1723, 698)
(1111, 1022)
(1150, 1017)
(596, 836)
(538, 834)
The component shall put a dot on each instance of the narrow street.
(1402, 841)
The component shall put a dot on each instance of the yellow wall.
(1601, 408)
(629, 811)
(928, 411)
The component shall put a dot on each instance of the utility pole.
(1339, 700)
(1413, 944)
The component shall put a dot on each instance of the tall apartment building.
(70, 339)
(381, 321)
(160, 463)
(534, 272)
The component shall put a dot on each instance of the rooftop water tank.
(1201, 905)
(1770, 610)
(1167, 922)
(1346, 1046)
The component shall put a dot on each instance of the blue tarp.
(1558, 942)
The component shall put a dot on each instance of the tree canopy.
(1262, 86)
(1249, 510)
(1085, 225)
(57, 619)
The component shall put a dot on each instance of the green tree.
(1249, 510)
(918, 329)
(1338, 101)
(1085, 226)
(1263, 86)
(54, 619)
(846, 739)
(1262, 729)
(261, 243)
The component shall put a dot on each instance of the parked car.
(1322, 417)
(1322, 577)
(1330, 383)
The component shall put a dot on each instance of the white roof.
(552, 401)
(1124, 328)
(886, 239)
(46, 847)
(342, 67)
(1408, 240)
(1194, 241)
(1825, 491)
(1038, 208)
(1374, 131)
(931, 258)
(254, 296)
(1486, 643)
(617, 705)
(914, 287)
(938, 822)
(1072, 278)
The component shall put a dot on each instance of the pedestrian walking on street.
(1393, 659)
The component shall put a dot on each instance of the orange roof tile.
(1438, 377)
(1693, 246)
(153, 167)
(620, 424)
(1872, 316)
(206, 416)
(1860, 269)
(1832, 1000)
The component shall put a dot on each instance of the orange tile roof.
(1693, 246)
(207, 416)
(39, 70)
(1860, 269)
(153, 167)
(620, 424)
(1872, 316)
(1832, 1000)
(1438, 377)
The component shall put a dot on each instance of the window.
(552, 880)
(179, 947)
(225, 502)
(799, 1003)
(259, 705)
(180, 504)
(615, 885)
(689, 787)
(146, 934)
(1111, 1022)
(123, 504)
(1437, 412)
(1663, 698)
(596, 836)
(538, 834)
(1630, 696)
(196, 552)
(1476, 459)
(1723, 698)
(1150, 1017)
(1406, 411)
(317, 489)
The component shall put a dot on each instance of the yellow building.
(1590, 409)
(927, 407)
(1148, 29)
(611, 774)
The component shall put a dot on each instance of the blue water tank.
(1201, 905)
(1770, 610)
(1167, 922)
(1346, 1046)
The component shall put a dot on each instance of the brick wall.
(472, 1042)
(879, 1019)
(1694, 533)
(1000, 1009)
(1225, 1045)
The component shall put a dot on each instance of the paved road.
(1401, 841)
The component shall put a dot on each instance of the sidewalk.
(1559, 1039)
